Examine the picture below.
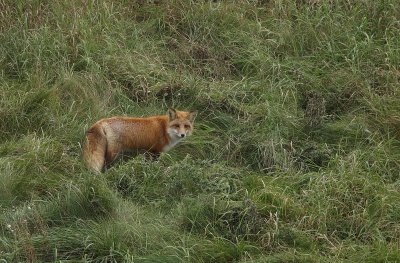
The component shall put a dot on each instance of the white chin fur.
(172, 134)
(175, 138)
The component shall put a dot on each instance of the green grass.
(295, 153)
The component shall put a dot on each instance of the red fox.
(109, 137)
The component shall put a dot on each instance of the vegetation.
(295, 155)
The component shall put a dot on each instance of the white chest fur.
(173, 141)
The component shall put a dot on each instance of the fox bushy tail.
(95, 148)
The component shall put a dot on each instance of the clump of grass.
(354, 215)
(163, 185)
(29, 228)
(34, 171)
(232, 220)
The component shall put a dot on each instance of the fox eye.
(175, 126)
(187, 126)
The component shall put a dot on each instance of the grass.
(295, 153)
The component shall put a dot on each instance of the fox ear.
(171, 114)
(192, 115)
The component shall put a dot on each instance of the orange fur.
(109, 137)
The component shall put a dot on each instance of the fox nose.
(182, 135)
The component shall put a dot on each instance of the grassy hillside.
(295, 155)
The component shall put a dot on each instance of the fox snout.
(181, 133)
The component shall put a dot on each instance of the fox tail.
(95, 148)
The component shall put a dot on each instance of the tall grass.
(295, 153)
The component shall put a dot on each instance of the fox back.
(109, 137)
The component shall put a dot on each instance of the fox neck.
(173, 140)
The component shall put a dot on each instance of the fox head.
(180, 123)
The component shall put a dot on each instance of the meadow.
(295, 156)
